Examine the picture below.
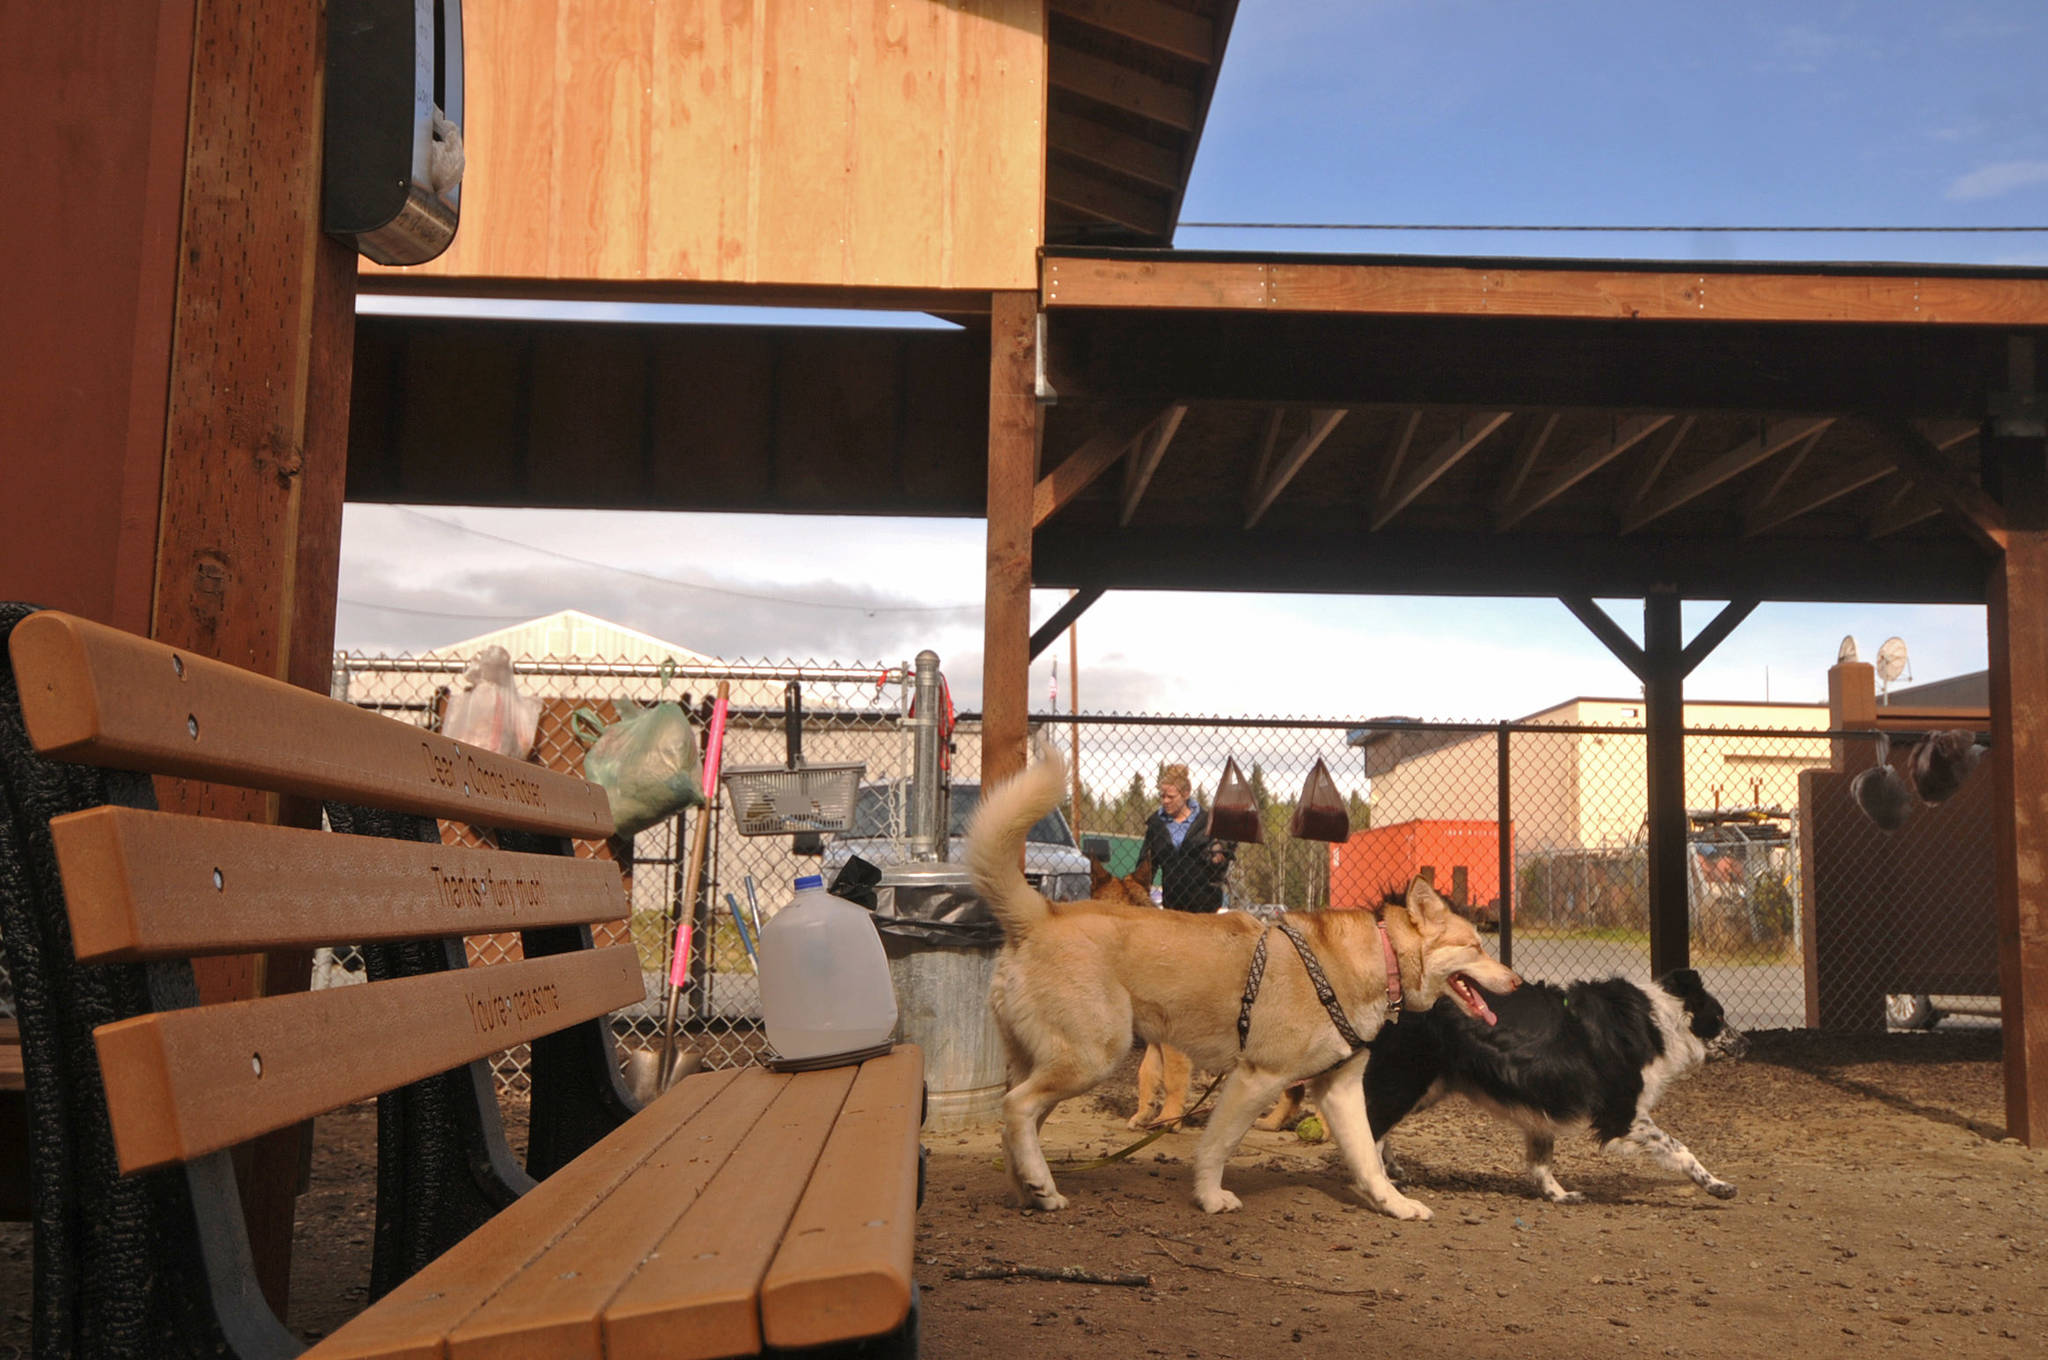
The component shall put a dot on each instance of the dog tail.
(995, 840)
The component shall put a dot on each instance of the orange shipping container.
(1451, 853)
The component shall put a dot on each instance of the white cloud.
(1991, 181)
(750, 587)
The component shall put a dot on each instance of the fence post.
(928, 811)
(1504, 831)
(1664, 701)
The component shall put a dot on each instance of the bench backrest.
(140, 885)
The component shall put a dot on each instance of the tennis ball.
(1310, 1129)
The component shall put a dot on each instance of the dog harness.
(1324, 992)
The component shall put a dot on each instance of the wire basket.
(773, 800)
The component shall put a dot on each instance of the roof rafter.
(1623, 436)
(1268, 442)
(1914, 454)
(1397, 455)
(1533, 444)
(1145, 460)
(1119, 152)
(1057, 489)
(1181, 32)
(1653, 467)
(1276, 478)
(1120, 87)
(1075, 188)
(1767, 491)
(1909, 505)
(1842, 482)
(1775, 437)
(1471, 433)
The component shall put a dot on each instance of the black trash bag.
(957, 920)
(856, 882)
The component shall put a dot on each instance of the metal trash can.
(942, 945)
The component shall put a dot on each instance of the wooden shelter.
(1124, 415)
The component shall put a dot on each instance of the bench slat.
(183, 1083)
(554, 1309)
(697, 1297)
(12, 1076)
(141, 885)
(844, 1267)
(413, 1320)
(95, 695)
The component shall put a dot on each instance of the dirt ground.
(1878, 1209)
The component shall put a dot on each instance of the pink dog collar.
(1393, 975)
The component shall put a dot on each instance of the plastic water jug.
(825, 985)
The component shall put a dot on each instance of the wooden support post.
(1013, 439)
(2018, 626)
(255, 442)
(1664, 719)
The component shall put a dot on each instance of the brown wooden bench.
(742, 1210)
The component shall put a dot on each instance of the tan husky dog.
(1076, 980)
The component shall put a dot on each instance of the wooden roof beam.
(1914, 454)
(1268, 444)
(1775, 437)
(1120, 87)
(1588, 291)
(1653, 467)
(1770, 513)
(1533, 444)
(1397, 456)
(1623, 436)
(1275, 479)
(1471, 433)
(1767, 490)
(1138, 472)
(1058, 488)
(1085, 193)
(1148, 22)
(1077, 604)
(1908, 505)
(1118, 152)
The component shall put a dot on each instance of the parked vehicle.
(1053, 862)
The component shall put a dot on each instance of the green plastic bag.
(647, 763)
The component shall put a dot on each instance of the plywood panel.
(874, 143)
(897, 205)
(604, 68)
(998, 117)
(509, 135)
(706, 94)
(803, 138)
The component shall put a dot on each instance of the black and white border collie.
(1593, 1056)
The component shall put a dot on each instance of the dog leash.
(1159, 1129)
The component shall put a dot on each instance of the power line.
(1469, 226)
(684, 585)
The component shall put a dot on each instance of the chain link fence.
(847, 713)
(1801, 911)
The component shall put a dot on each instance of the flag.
(1054, 691)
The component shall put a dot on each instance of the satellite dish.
(1892, 662)
(1847, 651)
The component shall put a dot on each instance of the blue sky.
(1723, 114)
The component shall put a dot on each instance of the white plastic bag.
(647, 763)
(490, 712)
